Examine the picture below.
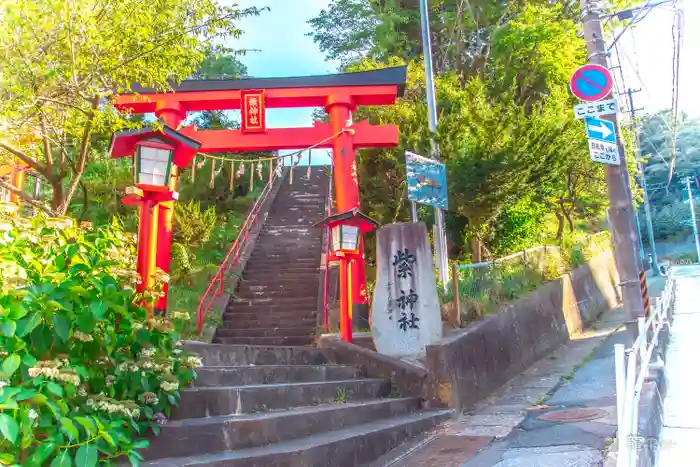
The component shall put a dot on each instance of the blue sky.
(646, 51)
(284, 50)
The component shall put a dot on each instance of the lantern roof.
(123, 143)
(352, 217)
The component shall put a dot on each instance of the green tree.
(664, 172)
(59, 75)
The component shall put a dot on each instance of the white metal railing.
(631, 368)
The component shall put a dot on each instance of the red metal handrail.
(328, 252)
(216, 286)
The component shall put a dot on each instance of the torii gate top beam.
(376, 87)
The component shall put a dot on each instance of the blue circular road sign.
(591, 83)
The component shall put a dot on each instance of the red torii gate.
(338, 94)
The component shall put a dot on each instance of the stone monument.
(405, 306)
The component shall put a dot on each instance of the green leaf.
(56, 410)
(70, 428)
(7, 459)
(40, 455)
(39, 399)
(141, 443)
(107, 437)
(88, 424)
(28, 324)
(9, 428)
(8, 405)
(17, 311)
(54, 388)
(143, 336)
(10, 365)
(134, 459)
(53, 305)
(62, 327)
(86, 322)
(86, 456)
(29, 360)
(9, 328)
(42, 338)
(62, 460)
(98, 309)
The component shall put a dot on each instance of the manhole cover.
(573, 415)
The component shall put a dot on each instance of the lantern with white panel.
(157, 151)
(153, 162)
(345, 230)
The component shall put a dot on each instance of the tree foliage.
(506, 130)
(59, 74)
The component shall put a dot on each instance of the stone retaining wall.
(468, 366)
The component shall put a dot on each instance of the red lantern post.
(157, 154)
(345, 240)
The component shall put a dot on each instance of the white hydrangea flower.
(169, 386)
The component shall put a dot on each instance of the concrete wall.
(470, 365)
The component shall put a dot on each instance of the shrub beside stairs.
(265, 397)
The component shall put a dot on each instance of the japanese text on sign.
(604, 153)
(595, 109)
(253, 111)
(403, 267)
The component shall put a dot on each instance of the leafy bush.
(84, 371)
(192, 225)
(672, 220)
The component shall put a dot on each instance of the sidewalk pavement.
(560, 412)
(681, 433)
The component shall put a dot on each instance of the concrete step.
(241, 304)
(280, 281)
(231, 432)
(267, 332)
(289, 267)
(298, 309)
(267, 374)
(226, 400)
(235, 355)
(266, 320)
(352, 446)
(281, 261)
(260, 254)
(261, 291)
(274, 340)
(263, 321)
(273, 277)
(296, 248)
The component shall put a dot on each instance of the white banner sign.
(595, 109)
(605, 153)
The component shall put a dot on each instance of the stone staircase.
(255, 406)
(276, 301)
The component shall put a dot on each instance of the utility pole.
(441, 241)
(639, 234)
(695, 223)
(621, 211)
(643, 183)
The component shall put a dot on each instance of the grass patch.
(485, 290)
(195, 265)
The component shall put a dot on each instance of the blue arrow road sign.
(600, 130)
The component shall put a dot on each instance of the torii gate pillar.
(347, 192)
